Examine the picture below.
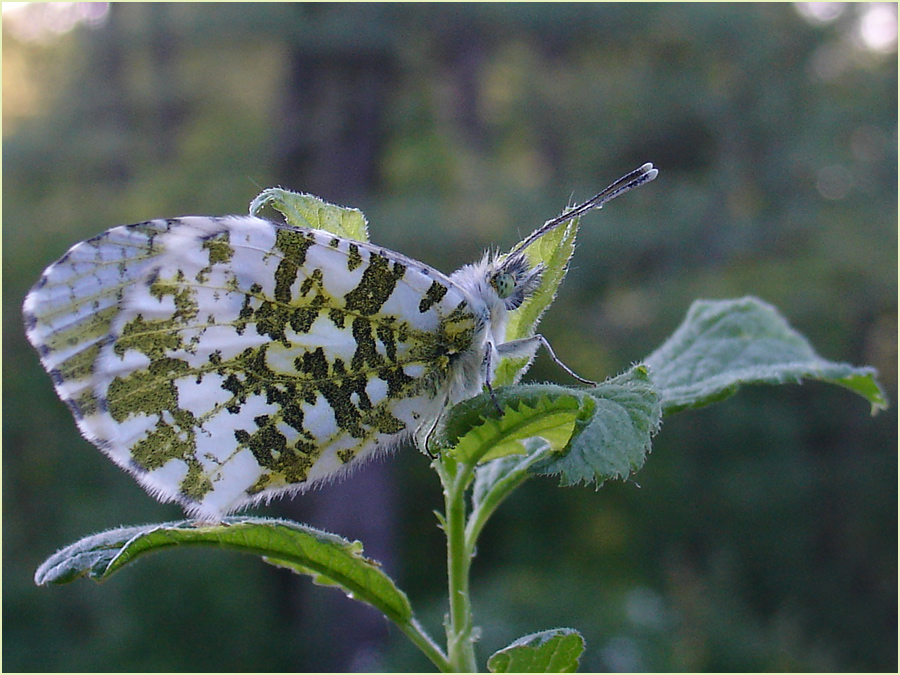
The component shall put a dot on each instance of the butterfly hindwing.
(223, 360)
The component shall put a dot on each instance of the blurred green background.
(762, 532)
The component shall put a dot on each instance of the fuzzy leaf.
(305, 210)
(512, 469)
(614, 440)
(554, 421)
(724, 344)
(550, 651)
(477, 432)
(330, 559)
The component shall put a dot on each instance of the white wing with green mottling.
(226, 360)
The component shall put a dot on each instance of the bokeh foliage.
(764, 532)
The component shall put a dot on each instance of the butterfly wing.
(226, 360)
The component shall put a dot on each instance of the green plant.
(488, 445)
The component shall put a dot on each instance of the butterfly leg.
(488, 375)
(526, 347)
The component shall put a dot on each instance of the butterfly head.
(514, 279)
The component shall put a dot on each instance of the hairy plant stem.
(456, 477)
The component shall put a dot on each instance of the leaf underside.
(305, 210)
(724, 344)
(330, 559)
(550, 651)
(596, 433)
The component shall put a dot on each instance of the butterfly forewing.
(222, 360)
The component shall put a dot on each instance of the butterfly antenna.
(643, 174)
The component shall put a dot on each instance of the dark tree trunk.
(331, 124)
(328, 143)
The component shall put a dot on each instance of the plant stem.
(414, 631)
(460, 646)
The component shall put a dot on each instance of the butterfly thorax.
(496, 285)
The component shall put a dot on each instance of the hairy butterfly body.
(225, 360)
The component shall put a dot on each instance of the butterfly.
(225, 360)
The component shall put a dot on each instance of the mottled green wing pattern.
(226, 360)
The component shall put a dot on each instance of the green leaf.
(496, 480)
(512, 469)
(550, 651)
(476, 431)
(305, 210)
(330, 559)
(723, 344)
(553, 251)
(614, 441)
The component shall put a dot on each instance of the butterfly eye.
(504, 283)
